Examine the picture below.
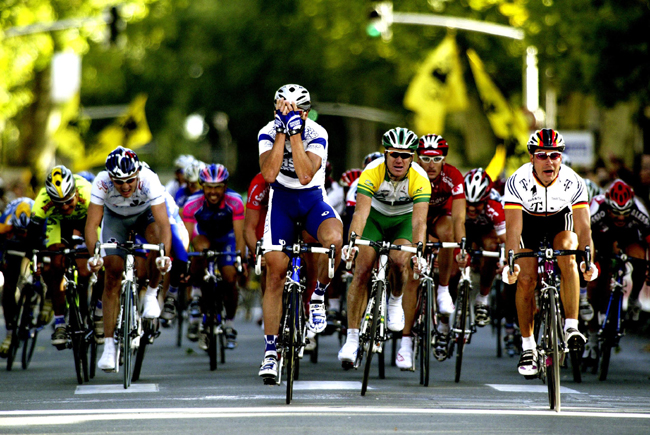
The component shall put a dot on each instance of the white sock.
(109, 345)
(196, 292)
(353, 336)
(483, 300)
(570, 323)
(528, 343)
(395, 300)
(443, 328)
(407, 342)
(152, 291)
(442, 289)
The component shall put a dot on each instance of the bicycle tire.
(497, 318)
(210, 330)
(92, 363)
(379, 293)
(16, 334)
(78, 344)
(222, 343)
(30, 330)
(608, 335)
(180, 315)
(460, 324)
(292, 354)
(554, 353)
(148, 331)
(426, 340)
(127, 326)
(29, 344)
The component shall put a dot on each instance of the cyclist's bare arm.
(238, 227)
(361, 213)
(251, 220)
(514, 227)
(582, 227)
(159, 213)
(94, 219)
(419, 222)
(458, 210)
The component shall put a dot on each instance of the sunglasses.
(620, 213)
(475, 204)
(120, 182)
(543, 156)
(66, 202)
(404, 156)
(434, 159)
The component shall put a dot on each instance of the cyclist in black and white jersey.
(126, 196)
(545, 199)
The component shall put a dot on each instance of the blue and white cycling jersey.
(314, 139)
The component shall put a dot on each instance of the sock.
(59, 320)
(407, 342)
(353, 336)
(196, 292)
(270, 349)
(109, 346)
(443, 328)
(99, 309)
(583, 292)
(172, 292)
(528, 343)
(482, 299)
(152, 291)
(395, 300)
(319, 292)
(442, 289)
(570, 323)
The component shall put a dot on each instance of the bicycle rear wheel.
(31, 332)
(21, 328)
(460, 326)
(79, 350)
(608, 335)
(553, 353)
(379, 293)
(149, 331)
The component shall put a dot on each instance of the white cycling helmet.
(191, 171)
(295, 93)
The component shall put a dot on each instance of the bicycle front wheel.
(553, 353)
(460, 326)
(30, 331)
(128, 325)
(379, 293)
(291, 345)
(79, 350)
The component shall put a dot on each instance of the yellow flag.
(67, 138)
(437, 88)
(129, 130)
(498, 162)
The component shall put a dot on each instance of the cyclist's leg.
(150, 305)
(407, 305)
(443, 229)
(570, 289)
(230, 291)
(488, 267)
(639, 276)
(9, 304)
(525, 301)
(171, 283)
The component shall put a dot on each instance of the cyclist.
(63, 206)
(179, 180)
(87, 175)
(485, 227)
(126, 196)
(293, 154)
(445, 222)
(391, 206)
(215, 220)
(192, 188)
(13, 231)
(546, 200)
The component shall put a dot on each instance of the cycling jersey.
(258, 199)
(636, 228)
(447, 186)
(492, 217)
(336, 197)
(351, 197)
(149, 192)
(183, 196)
(214, 221)
(180, 237)
(21, 205)
(393, 198)
(314, 139)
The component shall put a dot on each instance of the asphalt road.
(177, 393)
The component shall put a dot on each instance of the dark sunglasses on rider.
(65, 202)
(620, 213)
(120, 182)
(543, 156)
(429, 159)
(404, 156)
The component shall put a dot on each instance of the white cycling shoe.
(107, 361)
(395, 321)
(151, 307)
(317, 317)
(348, 352)
(445, 304)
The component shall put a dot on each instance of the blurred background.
(170, 77)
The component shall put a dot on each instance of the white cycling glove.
(164, 264)
(592, 267)
(2, 279)
(419, 264)
(506, 277)
(347, 254)
(94, 263)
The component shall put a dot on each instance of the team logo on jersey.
(457, 190)
(533, 191)
(524, 184)
(567, 184)
(325, 213)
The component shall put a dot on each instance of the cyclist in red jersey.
(445, 222)
(485, 225)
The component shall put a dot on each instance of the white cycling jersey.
(314, 139)
(524, 191)
(149, 191)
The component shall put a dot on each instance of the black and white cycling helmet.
(60, 184)
(122, 163)
(478, 185)
(295, 93)
(546, 139)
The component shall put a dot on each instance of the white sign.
(579, 147)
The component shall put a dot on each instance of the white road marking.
(114, 389)
(68, 416)
(516, 388)
(327, 385)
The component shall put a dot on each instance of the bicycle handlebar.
(550, 254)
(209, 253)
(295, 249)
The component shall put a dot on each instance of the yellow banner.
(129, 130)
(437, 88)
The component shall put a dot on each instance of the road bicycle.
(373, 331)
(293, 323)
(213, 302)
(30, 301)
(549, 333)
(132, 335)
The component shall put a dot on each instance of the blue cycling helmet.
(213, 174)
(87, 175)
(122, 163)
(21, 216)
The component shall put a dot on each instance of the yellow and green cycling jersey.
(394, 198)
(44, 209)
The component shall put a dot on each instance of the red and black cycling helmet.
(349, 176)
(620, 197)
(477, 185)
(546, 139)
(432, 145)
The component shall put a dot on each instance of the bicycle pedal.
(347, 365)
(529, 377)
(269, 381)
(109, 370)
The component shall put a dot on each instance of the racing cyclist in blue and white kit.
(293, 154)
(545, 199)
(126, 196)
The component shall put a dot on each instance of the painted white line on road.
(61, 417)
(327, 385)
(514, 388)
(114, 389)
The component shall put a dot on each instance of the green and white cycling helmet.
(400, 138)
